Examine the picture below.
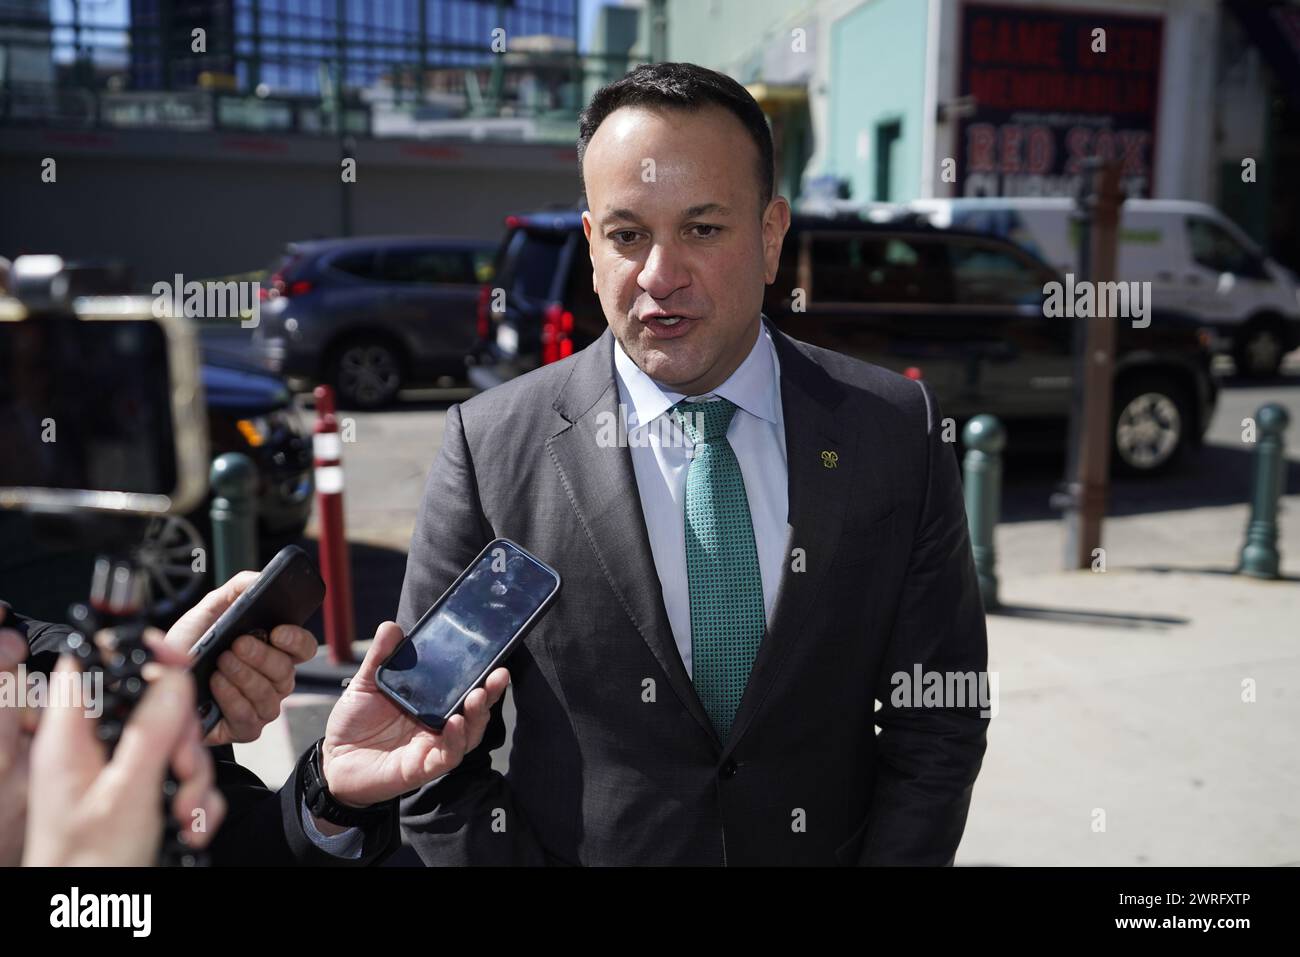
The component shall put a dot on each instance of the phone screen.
(449, 650)
(85, 405)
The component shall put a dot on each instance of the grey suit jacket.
(613, 759)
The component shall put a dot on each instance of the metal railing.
(123, 77)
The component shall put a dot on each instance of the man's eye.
(624, 237)
(712, 231)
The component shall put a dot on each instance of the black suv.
(963, 310)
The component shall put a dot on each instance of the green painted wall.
(877, 75)
(726, 34)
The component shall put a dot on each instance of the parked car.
(249, 411)
(963, 310)
(1197, 260)
(371, 316)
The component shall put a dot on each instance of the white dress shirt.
(661, 457)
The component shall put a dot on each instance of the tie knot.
(704, 422)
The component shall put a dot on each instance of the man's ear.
(591, 254)
(776, 221)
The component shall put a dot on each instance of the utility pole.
(1087, 475)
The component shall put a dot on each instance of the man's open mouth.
(665, 318)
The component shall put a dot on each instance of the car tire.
(166, 555)
(1152, 425)
(366, 373)
(1258, 348)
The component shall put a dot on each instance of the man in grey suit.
(775, 540)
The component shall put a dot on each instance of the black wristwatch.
(324, 805)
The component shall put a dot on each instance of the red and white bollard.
(327, 451)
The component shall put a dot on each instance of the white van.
(1196, 259)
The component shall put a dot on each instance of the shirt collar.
(751, 387)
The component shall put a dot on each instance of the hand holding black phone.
(469, 632)
(287, 592)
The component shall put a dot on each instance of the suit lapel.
(818, 447)
(601, 486)
(821, 449)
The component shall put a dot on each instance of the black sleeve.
(929, 757)
(264, 827)
(43, 638)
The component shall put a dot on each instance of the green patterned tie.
(725, 586)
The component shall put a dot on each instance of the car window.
(360, 263)
(1215, 248)
(986, 276)
(579, 296)
(484, 264)
(878, 269)
(424, 265)
(532, 259)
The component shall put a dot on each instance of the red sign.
(1051, 88)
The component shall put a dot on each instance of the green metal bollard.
(985, 439)
(234, 515)
(1259, 556)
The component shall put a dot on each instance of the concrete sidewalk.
(1122, 692)
(1119, 692)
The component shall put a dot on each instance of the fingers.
(496, 685)
(198, 806)
(261, 696)
(298, 643)
(191, 625)
(272, 664)
(239, 714)
(164, 716)
(13, 651)
(448, 751)
(387, 637)
(163, 652)
(66, 754)
(253, 679)
(478, 707)
(163, 732)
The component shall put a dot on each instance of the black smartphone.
(286, 593)
(468, 632)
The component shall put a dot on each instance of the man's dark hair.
(683, 86)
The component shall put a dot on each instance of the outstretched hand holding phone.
(374, 751)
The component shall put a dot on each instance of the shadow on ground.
(1212, 476)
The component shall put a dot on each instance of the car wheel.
(367, 373)
(1152, 423)
(166, 556)
(1258, 350)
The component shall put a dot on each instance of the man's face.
(675, 230)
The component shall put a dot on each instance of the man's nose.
(664, 271)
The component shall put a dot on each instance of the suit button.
(728, 770)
